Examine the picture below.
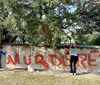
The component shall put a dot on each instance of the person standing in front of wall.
(1, 53)
(73, 59)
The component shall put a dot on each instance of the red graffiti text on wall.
(84, 59)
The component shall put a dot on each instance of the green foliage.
(89, 39)
(41, 21)
(26, 20)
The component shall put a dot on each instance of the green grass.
(46, 78)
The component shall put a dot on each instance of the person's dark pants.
(73, 61)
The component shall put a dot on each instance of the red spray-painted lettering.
(41, 60)
(53, 59)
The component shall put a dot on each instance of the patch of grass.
(25, 78)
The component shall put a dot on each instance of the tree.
(26, 20)
(43, 21)
(88, 17)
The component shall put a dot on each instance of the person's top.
(73, 52)
(1, 52)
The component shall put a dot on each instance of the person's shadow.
(83, 73)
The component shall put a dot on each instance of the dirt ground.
(50, 72)
(46, 77)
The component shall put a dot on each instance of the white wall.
(48, 58)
